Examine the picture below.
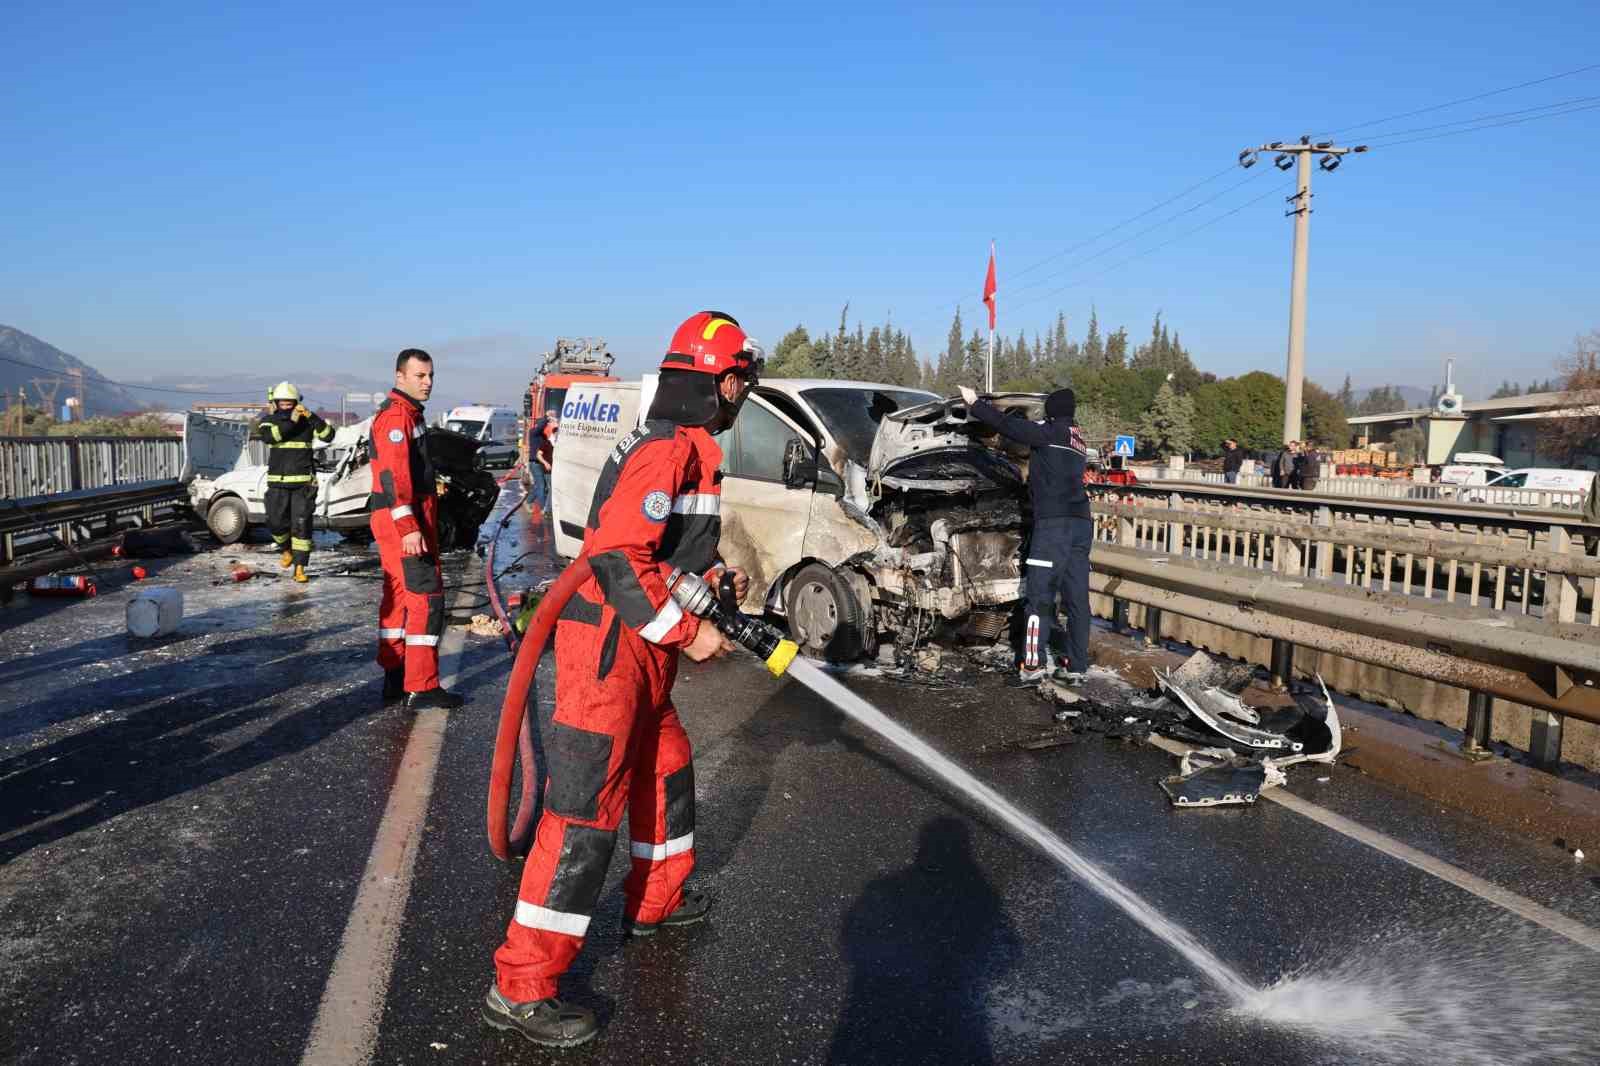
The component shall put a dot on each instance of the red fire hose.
(515, 733)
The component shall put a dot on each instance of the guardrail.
(31, 530)
(1549, 670)
(45, 466)
(1391, 489)
(1551, 576)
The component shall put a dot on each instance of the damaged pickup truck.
(226, 475)
(864, 513)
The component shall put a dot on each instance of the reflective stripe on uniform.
(536, 917)
(1041, 562)
(396, 633)
(280, 538)
(325, 433)
(403, 511)
(301, 544)
(427, 639)
(657, 852)
(659, 626)
(293, 444)
(1030, 656)
(698, 503)
(289, 479)
(277, 434)
(418, 430)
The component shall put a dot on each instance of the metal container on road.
(155, 612)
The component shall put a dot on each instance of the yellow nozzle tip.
(779, 660)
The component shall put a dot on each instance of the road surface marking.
(345, 1032)
(1521, 906)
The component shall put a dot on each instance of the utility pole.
(1299, 156)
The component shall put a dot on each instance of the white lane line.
(345, 1032)
(1521, 906)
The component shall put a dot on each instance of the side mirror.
(799, 467)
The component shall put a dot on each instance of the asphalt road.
(184, 825)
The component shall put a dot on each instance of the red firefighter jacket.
(402, 474)
(657, 508)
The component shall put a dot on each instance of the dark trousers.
(1057, 570)
(289, 509)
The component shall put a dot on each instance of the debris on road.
(483, 625)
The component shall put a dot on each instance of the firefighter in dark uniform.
(1057, 564)
(288, 431)
(405, 525)
(616, 742)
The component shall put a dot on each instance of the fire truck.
(576, 360)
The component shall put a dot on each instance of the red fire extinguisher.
(62, 585)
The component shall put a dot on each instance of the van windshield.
(470, 427)
(852, 415)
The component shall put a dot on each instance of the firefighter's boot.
(300, 575)
(693, 909)
(544, 1021)
(442, 699)
(394, 685)
(286, 560)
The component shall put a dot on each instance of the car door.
(763, 521)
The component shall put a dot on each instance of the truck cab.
(494, 428)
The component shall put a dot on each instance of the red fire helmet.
(713, 343)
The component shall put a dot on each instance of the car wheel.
(228, 519)
(826, 616)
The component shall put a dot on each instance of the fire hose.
(693, 594)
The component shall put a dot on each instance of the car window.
(464, 425)
(852, 415)
(760, 437)
(1510, 481)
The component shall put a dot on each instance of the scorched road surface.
(184, 828)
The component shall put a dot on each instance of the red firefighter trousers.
(411, 613)
(615, 742)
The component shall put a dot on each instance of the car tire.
(228, 519)
(826, 616)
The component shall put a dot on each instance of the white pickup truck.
(861, 511)
(225, 471)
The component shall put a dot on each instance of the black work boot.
(544, 1021)
(394, 685)
(435, 697)
(694, 908)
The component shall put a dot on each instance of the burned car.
(226, 475)
(863, 512)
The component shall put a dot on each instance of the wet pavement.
(184, 823)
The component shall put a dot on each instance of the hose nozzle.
(696, 596)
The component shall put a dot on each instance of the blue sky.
(193, 187)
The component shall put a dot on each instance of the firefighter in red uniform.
(405, 523)
(616, 740)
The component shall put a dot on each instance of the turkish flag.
(988, 287)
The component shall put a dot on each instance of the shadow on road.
(175, 743)
(924, 945)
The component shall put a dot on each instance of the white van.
(861, 511)
(1533, 487)
(495, 428)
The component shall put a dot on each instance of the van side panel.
(593, 419)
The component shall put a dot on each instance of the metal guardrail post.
(1282, 663)
(1119, 615)
(1480, 725)
(1544, 742)
(1152, 626)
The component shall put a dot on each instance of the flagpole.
(994, 305)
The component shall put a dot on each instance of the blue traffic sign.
(1124, 445)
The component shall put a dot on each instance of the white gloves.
(969, 394)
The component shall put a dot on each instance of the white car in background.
(1533, 487)
(494, 428)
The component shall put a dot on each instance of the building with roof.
(1508, 427)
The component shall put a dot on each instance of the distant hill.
(99, 397)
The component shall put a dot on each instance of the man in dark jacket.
(1232, 460)
(1057, 564)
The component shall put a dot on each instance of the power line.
(1275, 190)
(1486, 118)
(60, 371)
(1142, 233)
(1464, 100)
(1486, 126)
(1125, 222)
